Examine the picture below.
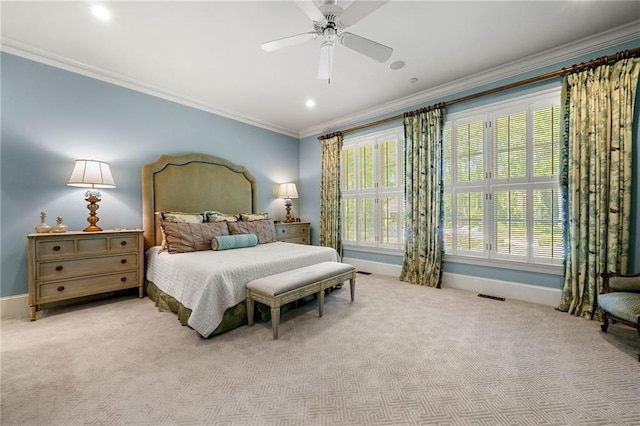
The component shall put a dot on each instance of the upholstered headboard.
(193, 183)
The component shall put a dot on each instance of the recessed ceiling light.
(396, 65)
(310, 103)
(101, 12)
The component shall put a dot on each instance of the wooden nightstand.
(294, 232)
(77, 264)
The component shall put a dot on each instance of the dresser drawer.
(123, 243)
(299, 240)
(54, 270)
(293, 231)
(67, 289)
(49, 248)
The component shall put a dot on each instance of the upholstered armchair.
(620, 300)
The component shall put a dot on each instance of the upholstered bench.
(279, 289)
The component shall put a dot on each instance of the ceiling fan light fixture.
(326, 60)
(329, 22)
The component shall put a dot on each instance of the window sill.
(376, 250)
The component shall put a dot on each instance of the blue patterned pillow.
(226, 242)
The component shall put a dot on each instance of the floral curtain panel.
(595, 178)
(423, 198)
(330, 229)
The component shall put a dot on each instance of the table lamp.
(288, 191)
(92, 174)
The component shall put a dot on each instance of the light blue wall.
(50, 117)
(310, 150)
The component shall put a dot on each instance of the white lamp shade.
(91, 174)
(287, 190)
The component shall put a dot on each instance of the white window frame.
(490, 185)
(378, 192)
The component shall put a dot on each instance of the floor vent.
(491, 297)
(363, 272)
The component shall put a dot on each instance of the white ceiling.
(207, 53)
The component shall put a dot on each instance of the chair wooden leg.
(605, 324)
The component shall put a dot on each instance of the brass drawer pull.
(56, 248)
(123, 261)
(123, 243)
(123, 279)
(59, 268)
(61, 288)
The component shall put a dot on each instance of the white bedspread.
(209, 282)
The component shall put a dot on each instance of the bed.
(206, 288)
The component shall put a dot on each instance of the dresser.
(69, 265)
(294, 232)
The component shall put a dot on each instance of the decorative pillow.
(265, 229)
(253, 216)
(177, 217)
(214, 216)
(180, 217)
(226, 242)
(188, 237)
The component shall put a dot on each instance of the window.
(500, 173)
(372, 187)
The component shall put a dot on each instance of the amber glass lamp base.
(92, 199)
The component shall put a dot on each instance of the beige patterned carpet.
(399, 355)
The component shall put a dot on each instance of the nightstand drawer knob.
(61, 288)
(123, 243)
(56, 248)
(123, 261)
(123, 279)
(59, 268)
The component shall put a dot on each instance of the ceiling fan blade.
(311, 10)
(270, 46)
(367, 47)
(326, 60)
(358, 10)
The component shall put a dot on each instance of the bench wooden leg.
(250, 304)
(320, 302)
(352, 284)
(275, 321)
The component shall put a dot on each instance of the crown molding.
(586, 46)
(554, 56)
(38, 55)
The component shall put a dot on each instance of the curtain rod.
(567, 70)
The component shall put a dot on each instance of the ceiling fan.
(330, 21)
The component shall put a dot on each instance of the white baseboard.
(508, 290)
(492, 287)
(14, 306)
